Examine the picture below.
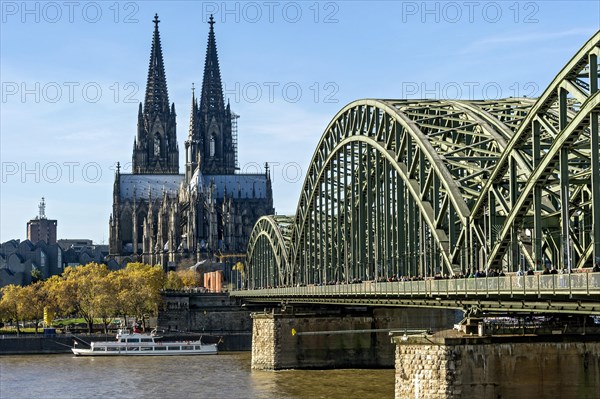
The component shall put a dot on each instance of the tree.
(120, 282)
(81, 290)
(141, 285)
(33, 298)
(11, 304)
(173, 281)
(54, 300)
(105, 302)
(36, 275)
(240, 268)
(189, 278)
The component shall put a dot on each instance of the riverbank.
(62, 343)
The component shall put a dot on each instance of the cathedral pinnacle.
(193, 117)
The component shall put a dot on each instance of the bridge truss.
(425, 187)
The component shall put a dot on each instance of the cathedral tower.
(155, 149)
(216, 148)
(207, 210)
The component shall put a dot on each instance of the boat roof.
(122, 333)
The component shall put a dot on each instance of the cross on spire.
(211, 21)
(156, 21)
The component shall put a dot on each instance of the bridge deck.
(577, 293)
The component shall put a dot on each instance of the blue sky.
(72, 75)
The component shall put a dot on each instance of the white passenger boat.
(136, 344)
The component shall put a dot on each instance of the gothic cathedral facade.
(160, 216)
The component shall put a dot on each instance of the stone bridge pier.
(353, 337)
(447, 364)
(451, 365)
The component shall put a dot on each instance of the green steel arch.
(394, 182)
(421, 187)
(560, 136)
(268, 246)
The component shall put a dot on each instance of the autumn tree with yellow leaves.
(173, 281)
(34, 298)
(82, 291)
(140, 288)
(92, 292)
(11, 304)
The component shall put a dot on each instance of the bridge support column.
(359, 337)
(452, 366)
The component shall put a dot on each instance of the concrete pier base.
(451, 365)
(342, 338)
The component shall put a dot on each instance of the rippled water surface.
(227, 375)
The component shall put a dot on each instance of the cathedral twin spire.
(217, 148)
(155, 149)
(157, 96)
(211, 155)
(210, 144)
(212, 90)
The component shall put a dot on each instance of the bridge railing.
(582, 284)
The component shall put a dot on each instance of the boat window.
(187, 348)
(146, 348)
(146, 339)
(98, 349)
(174, 348)
(197, 347)
(160, 348)
(110, 349)
(133, 340)
(133, 348)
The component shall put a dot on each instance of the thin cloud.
(530, 37)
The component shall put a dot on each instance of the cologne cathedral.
(160, 216)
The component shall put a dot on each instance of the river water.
(226, 375)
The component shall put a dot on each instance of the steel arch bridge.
(424, 187)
